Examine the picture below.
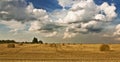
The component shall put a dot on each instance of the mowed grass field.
(59, 53)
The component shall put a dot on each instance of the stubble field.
(59, 53)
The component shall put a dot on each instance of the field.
(59, 53)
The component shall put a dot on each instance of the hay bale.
(63, 44)
(20, 44)
(104, 47)
(46, 43)
(11, 45)
(53, 45)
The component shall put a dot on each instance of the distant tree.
(7, 41)
(35, 40)
(40, 41)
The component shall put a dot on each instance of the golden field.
(59, 53)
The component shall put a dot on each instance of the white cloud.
(88, 10)
(35, 26)
(15, 9)
(107, 35)
(100, 17)
(68, 3)
(13, 25)
(116, 33)
(109, 11)
(44, 23)
(30, 8)
(42, 19)
(117, 30)
(51, 34)
(83, 16)
(81, 12)
(37, 13)
(68, 35)
(88, 16)
(58, 15)
(117, 39)
(4, 12)
(65, 3)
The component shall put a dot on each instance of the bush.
(11, 45)
(105, 47)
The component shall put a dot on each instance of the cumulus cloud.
(13, 13)
(35, 26)
(18, 10)
(67, 3)
(85, 11)
(51, 34)
(117, 39)
(39, 14)
(100, 17)
(13, 9)
(44, 27)
(13, 25)
(44, 22)
(85, 16)
(68, 35)
(109, 11)
(117, 30)
(82, 16)
(116, 34)
(64, 3)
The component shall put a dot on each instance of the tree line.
(7, 41)
(34, 41)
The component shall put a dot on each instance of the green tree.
(35, 40)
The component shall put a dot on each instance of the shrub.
(104, 47)
(11, 45)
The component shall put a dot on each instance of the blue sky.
(46, 4)
(47, 20)
(52, 5)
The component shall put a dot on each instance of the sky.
(58, 21)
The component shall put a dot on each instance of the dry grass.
(61, 53)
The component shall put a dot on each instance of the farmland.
(59, 53)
